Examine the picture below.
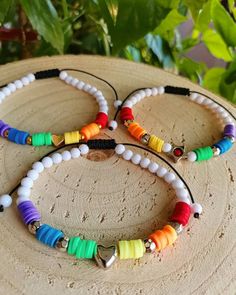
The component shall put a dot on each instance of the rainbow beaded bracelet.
(157, 144)
(47, 138)
(89, 249)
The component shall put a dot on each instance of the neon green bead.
(131, 249)
(73, 244)
(204, 153)
(39, 139)
(82, 248)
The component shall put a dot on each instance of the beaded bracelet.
(47, 138)
(89, 249)
(157, 144)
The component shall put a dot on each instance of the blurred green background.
(195, 39)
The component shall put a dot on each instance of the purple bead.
(3, 127)
(230, 130)
(28, 212)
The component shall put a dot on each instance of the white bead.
(47, 162)
(38, 166)
(80, 85)
(102, 103)
(185, 200)
(117, 103)
(200, 99)
(161, 171)
(92, 90)
(31, 77)
(100, 98)
(223, 115)
(2, 96)
(192, 156)
(154, 91)
(213, 106)
(193, 96)
(228, 120)
(169, 177)
(98, 93)
(182, 193)
(133, 99)
(207, 102)
(103, 109)
(56, 158)
(23, 191)
(27, 182)
(196, 208)
(18, 84)
(219, 109)
(136, 158)
(177, 184)
(75, 153)
(63, 75)
(33, 174)
(68, 79)
(6, 90)
(161, 90)
(21, 199)
(25, 81)
(84, 149)
(142, 94)
(66, 155)
(119, 149)
(152, 167)
(87, 87)
(12, 87)
(145, 162)
(5, 200)
(112, 125)
(167, 147)
(74, 81)
(128, 104)
(127, 155)
(138, 96)
(148, 92)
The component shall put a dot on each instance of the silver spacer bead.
(106, 256)
(62, 244)
(149, 245)
(34, 226)
(145, 138)
(231, 138)
(216, 151)
(177, 227)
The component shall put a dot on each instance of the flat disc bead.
(145, 162)
(56, 158)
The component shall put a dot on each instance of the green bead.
(204, 153)
(91, 249)
(82, 248)
(39, 139)
(73, 245)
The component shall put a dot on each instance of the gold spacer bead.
(58, 140)
(128, 122)
(29, 140)
(6, 133)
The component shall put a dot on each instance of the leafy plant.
(139, 30)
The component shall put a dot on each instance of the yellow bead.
(72, 137)
(156, 143)
(132, 249)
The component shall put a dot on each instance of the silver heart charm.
(106, 256)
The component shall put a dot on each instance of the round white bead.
(23, 191)
(57, 158)
(102, 103)
(223, 114)
(80, 85)
(142, 94)
(136, 158)
(75, 153)
(92, 90)
(100, 99)
(154, 91)
(5, 200)
(134, 100)
(169, 177)
(152, 167)
(185, 200)
(18, 84)
(127, 155)
(196, 208)
(6, 90)
(31, 77)
(161, 90)
(193, 96)
(103, 109)
(145, 162)
(200, 99)
(112, 125)
(74, 82)
(177, 184)
(66, 155)
(207, 102)
(98, 93)
(27, 182)
(87, 87)
(119, 149)
(47, 162)
(38, 166)
(25, 81)
(21, 199)
(12, 87)
(63, 75)
(33, 174)
(182, 193)
(128, 104)
(2, 96)
(192, 156)
(148, 92)
(227, 120)
(167, 147)
(84, 149)
(161, 171)
(138, 96)
(117, 103)
(68, 79)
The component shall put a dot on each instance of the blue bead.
(224, 145)
(48, 235)
(18, 136)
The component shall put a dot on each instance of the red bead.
(178, 152)
(126, 114)
(101, 119)
(181, 213)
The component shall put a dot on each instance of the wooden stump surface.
(106, 198)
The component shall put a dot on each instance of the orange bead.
(163, 238)
(90, 131)
(136, 130)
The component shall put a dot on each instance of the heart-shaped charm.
(106, 256)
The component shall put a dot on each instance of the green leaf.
(135, 18)
(195, 6)
(213, 78)
(45, 21)
(112, 6)
(216, 45)
(204, 17)
(224, 23)
(169, 24)
(191, 69)
(5, 6)
(228, 83)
